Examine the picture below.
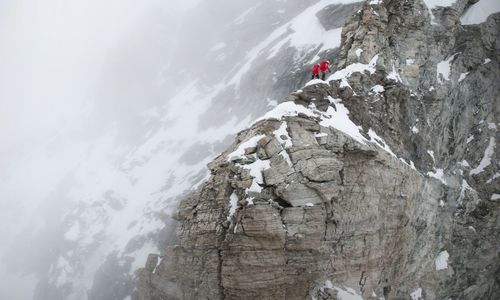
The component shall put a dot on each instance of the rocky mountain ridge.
(145, 149)
(381, 182)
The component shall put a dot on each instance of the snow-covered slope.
(478, 12)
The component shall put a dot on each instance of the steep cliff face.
(381, 182)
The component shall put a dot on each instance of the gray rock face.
(305, 206)
(329, 16)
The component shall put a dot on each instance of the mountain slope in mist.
(167, 98)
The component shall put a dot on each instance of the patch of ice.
(240, 151)
(441, 260)
(479, 12)
(462, 76)
(416, 294)
(486, 161)
(495, 197)
(358, 52)
(438, 174)
(444, 69)
(233, 205)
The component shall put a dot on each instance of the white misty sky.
(52, 56)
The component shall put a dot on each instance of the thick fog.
(109, 113)
(71, 72)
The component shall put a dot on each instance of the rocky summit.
(381, 182)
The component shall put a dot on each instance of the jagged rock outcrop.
(401, 202)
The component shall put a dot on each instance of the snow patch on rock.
(378, 89)
(441, 261)
(479, 12)
(444, 69)
(462, 76)
(233, 205)
(347, 294)
(439, 175)
(339, 119)
(394, 75)
(486, 161)
(353, 68)
(416, 294)
(240, 151)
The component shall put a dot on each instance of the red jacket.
(315, 69)
(325, 66)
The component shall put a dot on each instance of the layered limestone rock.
(383, 182)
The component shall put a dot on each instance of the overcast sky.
(53, 60)
(52, 54)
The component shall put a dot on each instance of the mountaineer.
(315, 71)
(324, 67)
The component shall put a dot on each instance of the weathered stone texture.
(333, 209)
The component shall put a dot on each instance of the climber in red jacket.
(315, 71)
(324, 68)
